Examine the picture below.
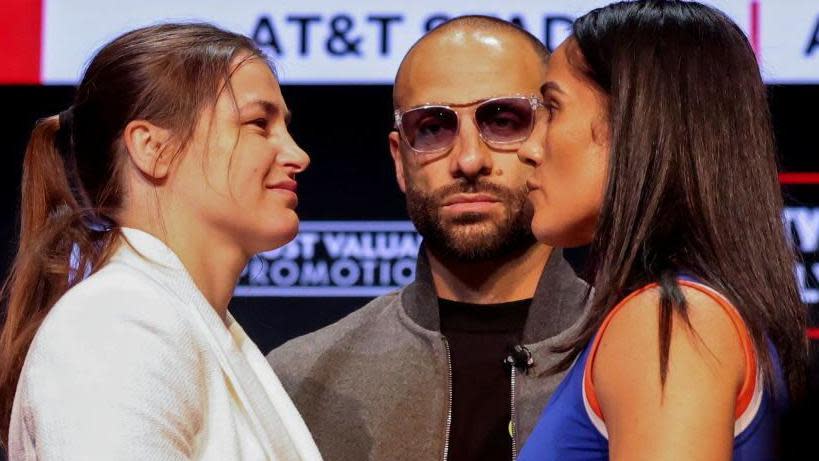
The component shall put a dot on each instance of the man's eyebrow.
(551, 86)
(466, 104)
(270, 109)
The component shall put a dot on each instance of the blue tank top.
(569, 429)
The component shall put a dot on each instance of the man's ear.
(395, 150)
(147, 145)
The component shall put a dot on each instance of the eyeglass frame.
(534, 101)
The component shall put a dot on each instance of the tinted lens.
(505, 120)
(430, 128)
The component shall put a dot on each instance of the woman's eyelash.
(260, 122)
(550, 106)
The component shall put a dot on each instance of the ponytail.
(56, 248)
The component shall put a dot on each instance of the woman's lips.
(289, 185)
(286, 188)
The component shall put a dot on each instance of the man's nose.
(471, 157)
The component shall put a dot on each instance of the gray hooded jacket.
(376, 385)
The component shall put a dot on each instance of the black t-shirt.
(480, 337)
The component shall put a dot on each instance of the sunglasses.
(501, 122)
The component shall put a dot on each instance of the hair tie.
(65, 132)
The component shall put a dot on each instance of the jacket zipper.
(513, 418)
(449, 398)
(519, 358)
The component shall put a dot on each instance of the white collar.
(242, 362)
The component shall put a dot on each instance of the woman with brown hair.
(141, 204)
(658, 151)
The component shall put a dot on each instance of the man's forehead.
(460, 69)
(460, 89)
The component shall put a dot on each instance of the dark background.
(344, 129)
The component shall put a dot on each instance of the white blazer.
(133, 363)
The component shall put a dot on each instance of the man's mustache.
(503, 193)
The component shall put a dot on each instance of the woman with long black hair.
(658, 151)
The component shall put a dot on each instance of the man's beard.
(472, 236)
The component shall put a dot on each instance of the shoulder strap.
(747, 393)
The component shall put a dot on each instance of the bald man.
(456, 365)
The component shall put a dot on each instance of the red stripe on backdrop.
(799, 178)
(21, 36)
(755, 39)
(813, 333)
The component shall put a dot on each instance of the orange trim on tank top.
(746, 393)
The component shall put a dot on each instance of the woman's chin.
(557, 236)
(277, 236)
